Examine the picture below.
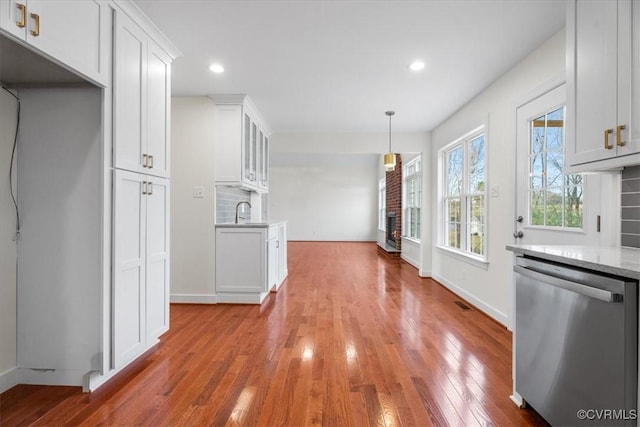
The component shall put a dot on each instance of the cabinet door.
(158, 104)
(591, 74)
(228, 130)
(629, 76)
(129, 267)
(13, 17)
(272, 264)
(73, 32)
(157, 258)
(129, 95)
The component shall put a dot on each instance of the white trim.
(68, 377)
(193, 299)
(518, 400)
(9, 379)
(242, 298)
(424, 273)
(464, 256)
(484, 307)
(411, 261)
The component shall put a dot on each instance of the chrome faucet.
(238, 206)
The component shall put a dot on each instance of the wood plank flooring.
(351, 339)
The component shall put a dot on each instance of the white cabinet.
(251, 260)
(603, 76)
(141, 101)
(141, 263)
(241, 264)
(73, 33)
(242, 144)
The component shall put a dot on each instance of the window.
(555, 200)
(382, 204)
(464, 194)
(412, 172)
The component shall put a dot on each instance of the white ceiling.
(334, 66)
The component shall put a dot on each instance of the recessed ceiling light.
(416, 66)
(216, 68)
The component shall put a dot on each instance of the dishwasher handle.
(600, 294)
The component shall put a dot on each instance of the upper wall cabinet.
(75, 34)
(241, 144)
(603, 76)
(141, 101)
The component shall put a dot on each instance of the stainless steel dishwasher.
(576, 344)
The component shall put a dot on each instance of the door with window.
(551, 206)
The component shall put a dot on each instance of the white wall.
(325, 196)
(192, 219)
(490, 288)
(8, 249)
(351, 143)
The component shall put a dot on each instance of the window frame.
(464, 252)
(415, 176)
(545, 187)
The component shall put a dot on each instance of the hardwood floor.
(352, 338)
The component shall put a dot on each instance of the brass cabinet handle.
(607, 132)
(23, 15)
(36, 21)
(144, 187)
(150, 161)
(150, 188)
(144, 160)
(619, 141)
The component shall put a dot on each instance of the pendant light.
(390, 157)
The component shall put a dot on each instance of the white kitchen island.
(251, 261)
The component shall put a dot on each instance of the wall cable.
(13, 155)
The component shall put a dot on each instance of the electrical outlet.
(198, 192)
(494, 191)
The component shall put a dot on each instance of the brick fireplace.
(394, 205)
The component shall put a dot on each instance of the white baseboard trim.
(424, 273)
(8, 379)
(193, 299)
(486, 308)
(242, 298)
(411, 261)
(69, 377)
(517, 399)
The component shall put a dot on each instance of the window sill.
(463, 256)
(411, 240)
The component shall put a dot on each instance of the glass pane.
(536, 208)
(476, 239)
(554, 170)
(476, 211)
(537, 135)
(453, 210)
(454, 235)
(554, 207)
(537, 181)
(555, 138)
(573, 180)
(454, 172)
(476, 165)
(573, 207)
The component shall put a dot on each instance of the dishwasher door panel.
(570, 352)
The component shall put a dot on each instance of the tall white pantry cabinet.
(93, 191)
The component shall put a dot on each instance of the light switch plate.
(494, 191)
(198, 192)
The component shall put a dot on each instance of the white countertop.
(617, 260)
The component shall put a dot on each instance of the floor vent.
(462, 305)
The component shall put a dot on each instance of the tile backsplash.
(226, 200)
(630, 202)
